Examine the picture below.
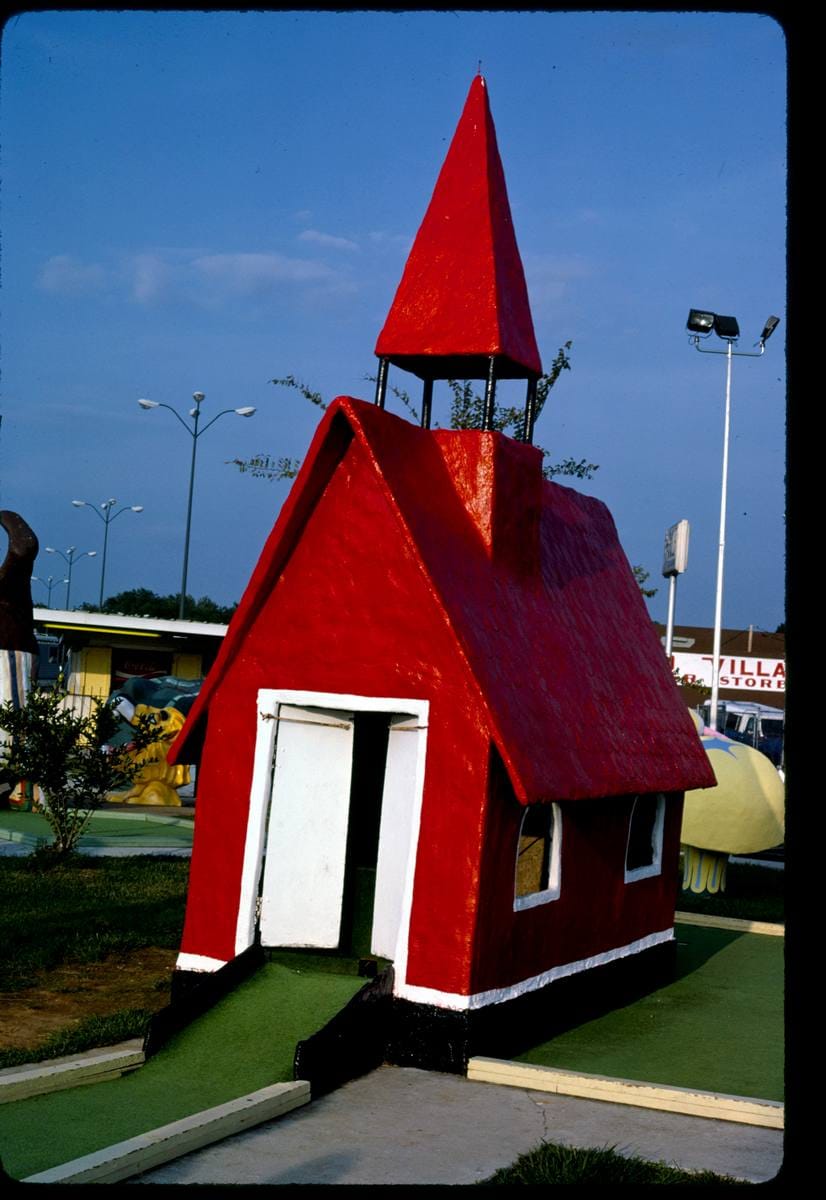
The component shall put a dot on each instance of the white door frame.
(401, 811)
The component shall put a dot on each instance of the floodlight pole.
(721, 549)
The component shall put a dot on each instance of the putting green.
(718, 1027)
(246, 1042)
(105, 829)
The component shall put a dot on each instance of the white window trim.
(655, 867)
(552, 892)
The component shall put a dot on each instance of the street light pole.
(70, 557)
(196, 416)
(701, 324)
(194, 432)
(107, 516)
(48, 584)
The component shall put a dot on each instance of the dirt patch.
(65, 995)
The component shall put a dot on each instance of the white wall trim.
(259, 801)
(198, 962)
(453, 1000)
(268, 701)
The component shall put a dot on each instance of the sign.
(737, 672)
(675, 552)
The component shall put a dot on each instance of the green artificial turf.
(718, 1027)
(245, 1043)
(104, 829)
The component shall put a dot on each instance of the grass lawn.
(86, 910)
(87, 951)
(550, 1163)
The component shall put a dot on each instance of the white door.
(395, 831)
(306, 843)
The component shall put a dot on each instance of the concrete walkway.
(405, 1126)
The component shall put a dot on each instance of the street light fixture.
(194, 432)
(71, 558)
(107, 516)
(48, 583)
(701, 324)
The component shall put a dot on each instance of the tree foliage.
(69, 757)
(141, 602)
(641, 575)
(466, 409)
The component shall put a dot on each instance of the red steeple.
(462, 298)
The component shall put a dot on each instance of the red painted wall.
(344, 619)
(596, 910)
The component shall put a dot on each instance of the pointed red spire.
(462, 297)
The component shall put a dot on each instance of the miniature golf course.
(717, 1027)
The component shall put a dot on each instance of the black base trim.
(352, 1043)
(194, 992)
(439, 1039)
(376, 1027)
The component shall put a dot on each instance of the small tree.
(69, 757)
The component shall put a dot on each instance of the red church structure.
(442, 675)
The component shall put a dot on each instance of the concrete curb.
(742, 1109)
(53, 1075)
(158, 1146)
(739, 926)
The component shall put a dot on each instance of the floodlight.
(700, 322)
(768, 329)
(726, 327)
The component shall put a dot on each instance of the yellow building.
(97, 652)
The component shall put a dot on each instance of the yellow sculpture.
(743, 814)
(158, 779)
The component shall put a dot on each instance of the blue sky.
(206, 201)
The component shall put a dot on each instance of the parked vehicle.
(757, 725)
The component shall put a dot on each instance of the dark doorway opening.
(370, 737)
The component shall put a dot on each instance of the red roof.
(573, 683)
(462, 297)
